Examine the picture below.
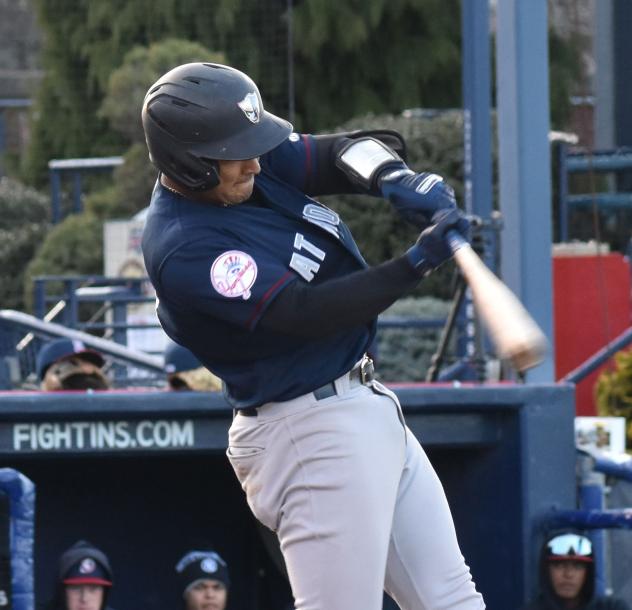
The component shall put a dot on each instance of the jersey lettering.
(301, 243)
(304, 266)
(323, 217)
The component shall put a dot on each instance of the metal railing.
(114, 293)
(18, 356)
(75, 168)
(122, 292)
(599, 357)
(96, 310)
(598, 162)
(592, 515)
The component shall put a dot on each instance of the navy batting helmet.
(199, 113)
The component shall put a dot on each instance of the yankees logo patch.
(233, 273)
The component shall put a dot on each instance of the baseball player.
(267, 288)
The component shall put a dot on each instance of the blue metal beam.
(476, 107)
(524, 162)
(15, 102)
(598, 358)
(476, 78)
(600, 161)
(2, 142)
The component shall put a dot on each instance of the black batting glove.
(416, 197)
(433, 248)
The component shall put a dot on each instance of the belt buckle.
(366, 370)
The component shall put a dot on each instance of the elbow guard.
(363, 160)
(331, 178)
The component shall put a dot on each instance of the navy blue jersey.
(216, 270)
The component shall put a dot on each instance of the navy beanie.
(201, 565)
(83, 563)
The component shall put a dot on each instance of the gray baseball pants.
(355, 503)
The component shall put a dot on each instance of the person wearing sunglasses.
(567, 576)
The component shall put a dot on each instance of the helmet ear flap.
(205, 176)
(212, 174)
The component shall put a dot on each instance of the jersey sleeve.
(293, 161)
(307, 162)
(233, 283)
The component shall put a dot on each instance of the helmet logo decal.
(250, 107)
(233, 273)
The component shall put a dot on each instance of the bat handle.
(456, 240)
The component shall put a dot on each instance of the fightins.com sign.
(98, 436)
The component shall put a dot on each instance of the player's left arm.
(314, 310)
(308, 162)
(376, 169)
(368, 162)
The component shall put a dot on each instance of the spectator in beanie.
(84, 579)
(66, 364)
(203, 579)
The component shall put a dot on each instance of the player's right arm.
(250, 288)
(353, 300)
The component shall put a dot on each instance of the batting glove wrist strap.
(416, 197)
(433, 246)
(417, 258)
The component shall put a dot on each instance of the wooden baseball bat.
(513, 331)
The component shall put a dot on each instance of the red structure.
(592, 305)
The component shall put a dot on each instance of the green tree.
(376, 56)
(140, 68)
(350, 58)
(614, 392)
(86, 40)
(130, 190)
(565, 72)
(23, 224)
(404, 354)
(133, 181)
(73, 247)
(65, 250)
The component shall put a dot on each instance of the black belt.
(361, 374)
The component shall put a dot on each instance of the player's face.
(237, 179)
(206, 594)
(567, 578)
(84, 597)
